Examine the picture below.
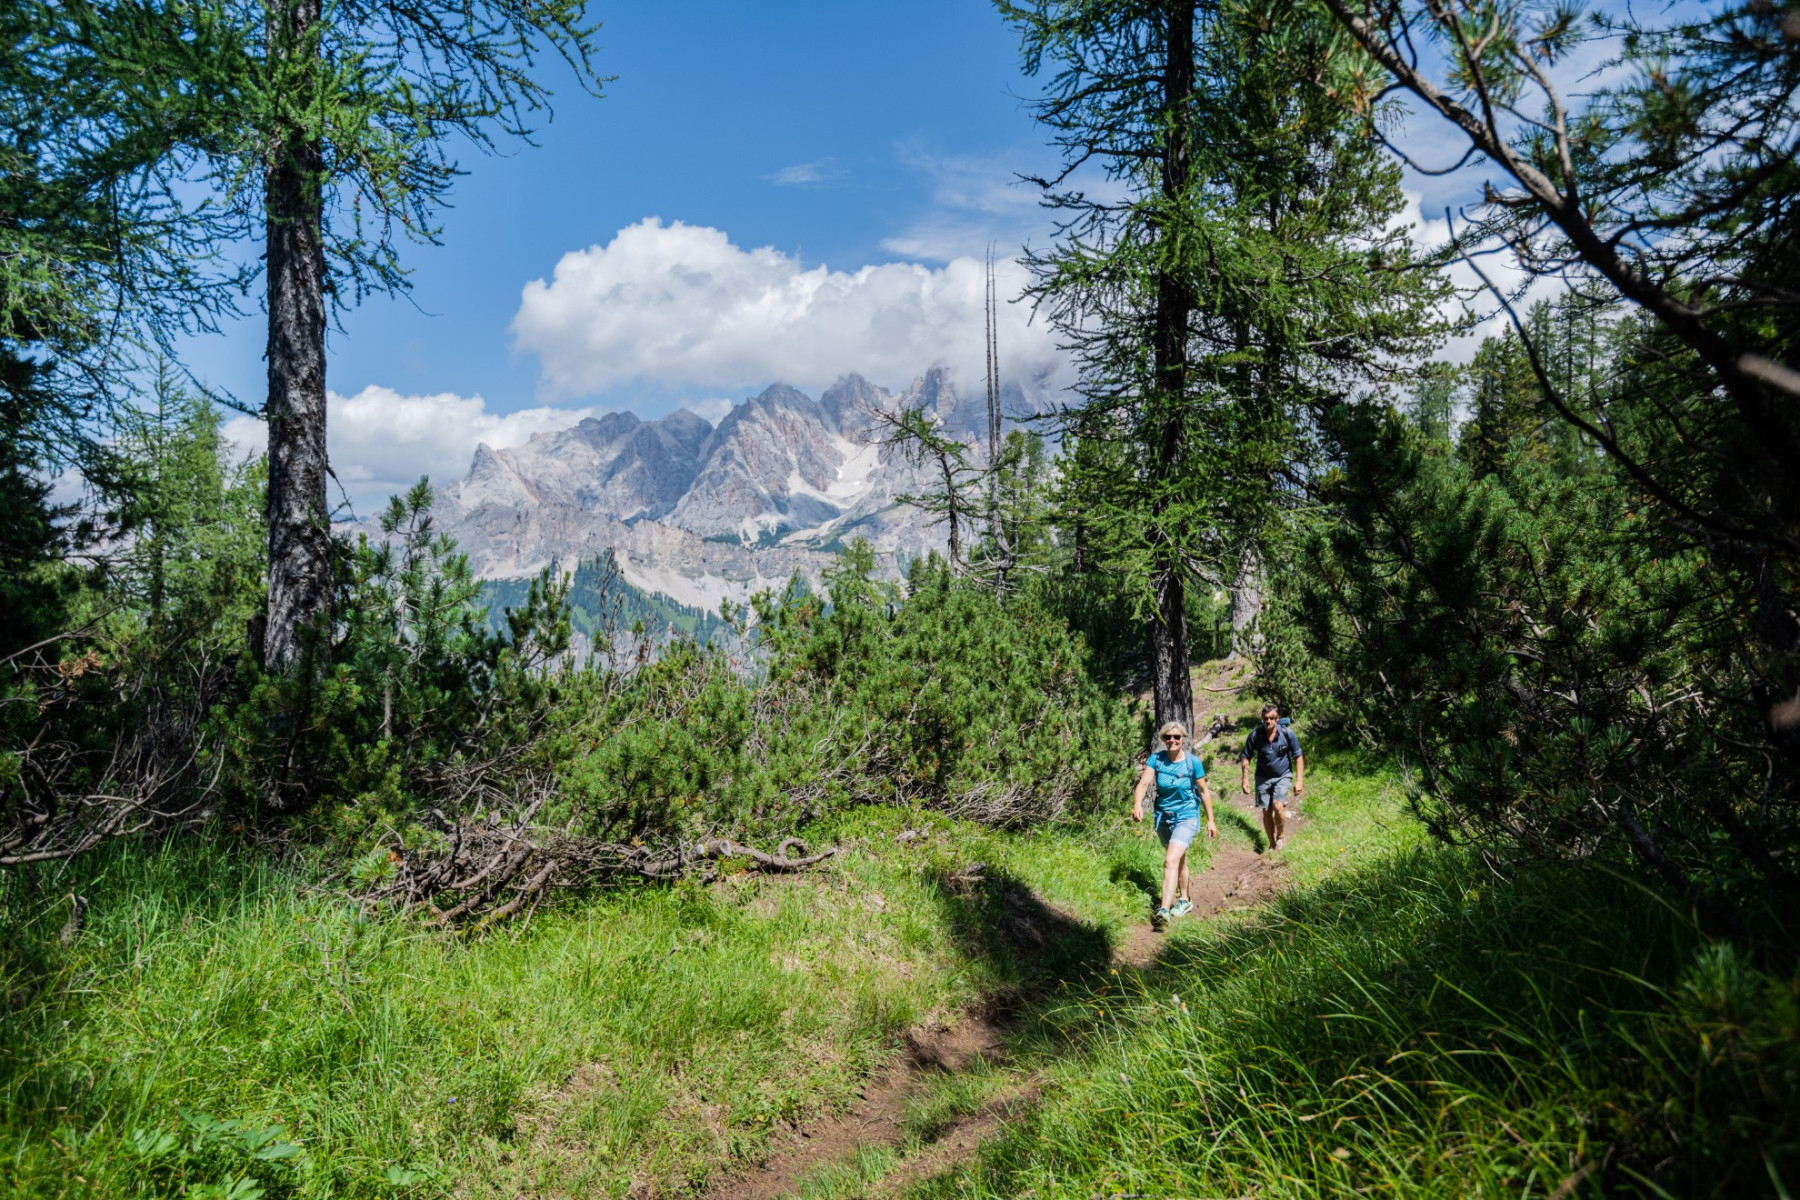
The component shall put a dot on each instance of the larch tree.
(106, 259)
(1122, 92)
(951, 497)
(1244, 264)
(355, 108)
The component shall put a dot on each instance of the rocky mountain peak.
(602, 430)
(701, 513)
(847, 404)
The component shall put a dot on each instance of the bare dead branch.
(489, 869)
(65, 797)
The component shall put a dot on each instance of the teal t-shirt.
(1177, 784)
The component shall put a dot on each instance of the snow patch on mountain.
(704, 513)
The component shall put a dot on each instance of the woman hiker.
(1177, 774)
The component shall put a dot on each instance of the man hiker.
(1279, 762)
(1177, 773)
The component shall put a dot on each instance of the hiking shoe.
(1281, 842)
(1159, 919)
(1182, 908)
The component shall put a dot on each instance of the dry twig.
(488, 869)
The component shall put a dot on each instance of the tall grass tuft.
(1413, 1023)
(220, 1007)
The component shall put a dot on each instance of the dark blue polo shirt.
(1273, 758)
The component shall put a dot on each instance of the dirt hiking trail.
(1240, 875)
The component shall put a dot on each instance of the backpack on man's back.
(1290, 742)
(1284, 726)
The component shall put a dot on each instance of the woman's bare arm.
(1137, 798)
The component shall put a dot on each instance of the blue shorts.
(1177, 831)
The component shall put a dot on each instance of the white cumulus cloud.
(381, 441)
(711, 411)
(680, 306)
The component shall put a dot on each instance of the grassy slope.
(1406, 1022)
(654, 1035)
(1402, 1022)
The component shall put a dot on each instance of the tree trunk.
(1172, 685)
(949, 474)
(299, 599)
(1002, 557)
(1247, 601)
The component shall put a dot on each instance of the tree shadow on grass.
(1139, 879)
(994, 916)
(1504, 991)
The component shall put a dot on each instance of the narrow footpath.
(1240, 875)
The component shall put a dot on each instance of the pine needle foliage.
(107, 256)
(1243, 263)
(941, 697)
(424, 701)
(1668, 188)
(1566, 673)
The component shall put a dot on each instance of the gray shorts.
(1177, 831)
(1273, 791)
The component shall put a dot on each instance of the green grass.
(650, 1037)
(849, 1178)
(1407, 1022)
(950, 1098)
(1404, 1021)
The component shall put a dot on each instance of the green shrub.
(1562, 677)
(943, 697)
(417, 700)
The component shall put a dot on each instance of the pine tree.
(1672, 187)
(355, 107)
(1503, 403)
(190, 558)
(1251, 269)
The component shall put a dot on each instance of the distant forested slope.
(600, 596)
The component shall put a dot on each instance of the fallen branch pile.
(488, 870)
(71, 785)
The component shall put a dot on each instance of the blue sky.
(838, 134)
(712, 102)
(766, 192)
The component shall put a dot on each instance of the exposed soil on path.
(1241, 875)
(878, 1118)
(956, 1144)
(1238, 877)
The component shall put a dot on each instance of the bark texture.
(1247, 601)
(299, 519)
(1172, 685)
